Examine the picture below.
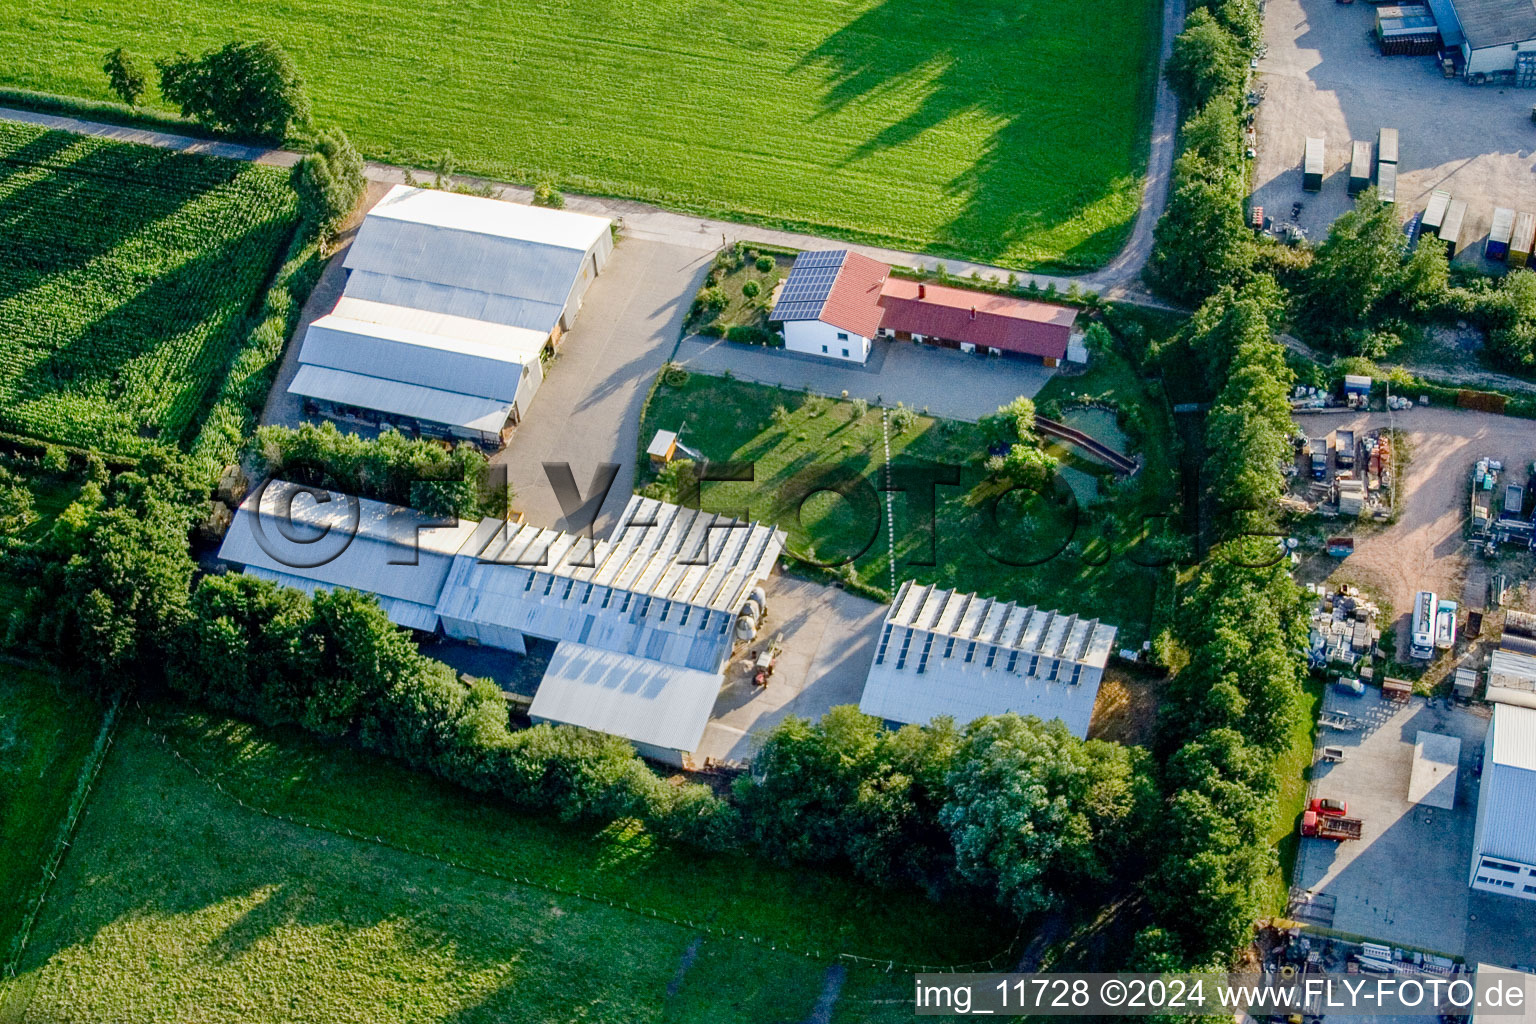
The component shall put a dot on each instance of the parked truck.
(1318, 448)
(1328, 826)
(1344, 449)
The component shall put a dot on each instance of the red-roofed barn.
(975, 321)
(834, 303)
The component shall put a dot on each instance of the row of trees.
(250, 89)
(1202, 243)
(1008, 806)
(1231, 708)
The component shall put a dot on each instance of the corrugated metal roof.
(978, 318)
(413, 357)
(1507, 811)
(1511, 678)
(513, 310)
(963, 655)
(623, 695)
(495, 217)
(396, 398)
(525, 342)
(1487, 23)
(1514, 738)
(401, 613)
(343, 541)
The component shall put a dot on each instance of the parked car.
(1330, 807)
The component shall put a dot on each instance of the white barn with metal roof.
(314, 539)
(1504, 842)
(644, 621)
(964, 656)
(474, 384)
(484, 259)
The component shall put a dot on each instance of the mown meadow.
(1013, 133)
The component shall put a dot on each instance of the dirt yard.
(1425, 549)
(1322, 75)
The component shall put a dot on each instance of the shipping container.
(1359, 168)
(1521, 239)
(1497, 246)
(1312, 166)
(1450, 228)
(1434, 213)
(1386, 146)
(1386, 182)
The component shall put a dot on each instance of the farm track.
(1119, 280)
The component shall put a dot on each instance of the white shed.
(314, 539)
(485, 259)
(1504, 841)
(963, 655)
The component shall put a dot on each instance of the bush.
(545, 194)
(712, 299)
(125, 75)
(902, 418)
(250, 89)
(390, 468)
(751, 289)
(748, 334)
(331, 181)
(857, 409)
(674, 376)
(764, 264)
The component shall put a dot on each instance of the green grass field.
(1015, 134)
(1012, 547)
(126, 275)
(45, 735)
(1294, 769)
(178, 904)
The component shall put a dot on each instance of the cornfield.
(126, 276)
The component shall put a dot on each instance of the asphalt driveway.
(587, 410)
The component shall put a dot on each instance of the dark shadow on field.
(1015, 187)
(90, 204)
(91, 361)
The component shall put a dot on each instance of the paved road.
(1119, 280)
(588, 409)
(947, 383)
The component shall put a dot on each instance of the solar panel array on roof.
(809, 284)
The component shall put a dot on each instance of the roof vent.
(922, 291)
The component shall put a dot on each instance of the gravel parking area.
(1424, 549)
(1405, 880)
(1323, 76)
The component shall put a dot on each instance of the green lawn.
(126, 276)
(1011, 133)
(1294, 769)
(1015, 547)
(46, 732)
(176, 903)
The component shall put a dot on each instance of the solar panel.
(809, 284)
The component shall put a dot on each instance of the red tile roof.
(853, 305)
(979, 318)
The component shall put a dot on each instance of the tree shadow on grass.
(1027, 69)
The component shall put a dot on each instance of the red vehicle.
(1329, 808)
(1324, 826)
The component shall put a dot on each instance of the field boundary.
(1005, 957)
(77, 802)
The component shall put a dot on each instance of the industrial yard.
(1323, 75)
(1425, 547)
